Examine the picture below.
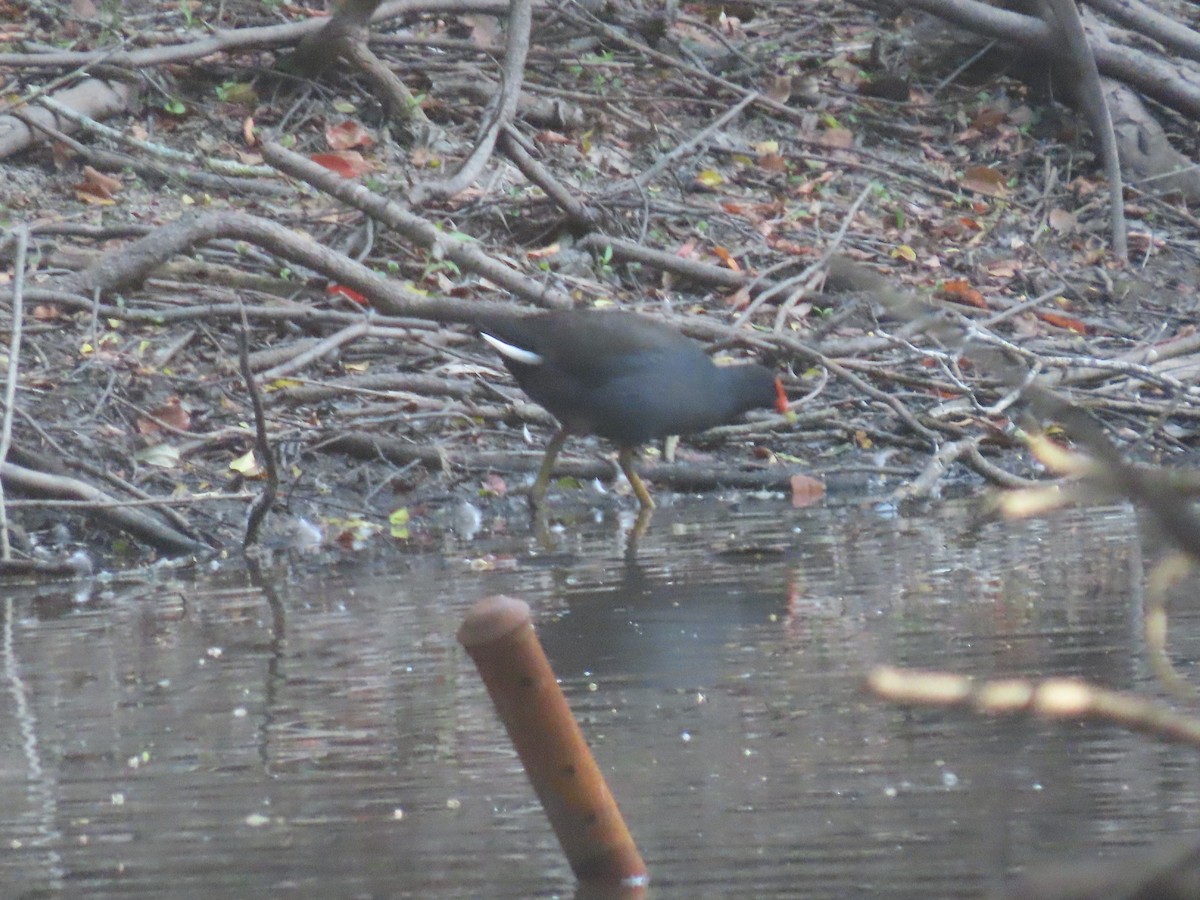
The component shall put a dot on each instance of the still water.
(315, 731)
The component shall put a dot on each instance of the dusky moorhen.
(624, 377)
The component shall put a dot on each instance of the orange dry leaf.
(806, 490)
(958, 290)
(97, 187)
(1058, 320)
(347, 163)
(726, 257)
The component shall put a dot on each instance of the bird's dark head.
(756, 387)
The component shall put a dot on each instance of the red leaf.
(347, 163)
(340, 290)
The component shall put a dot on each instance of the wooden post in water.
(499, 636)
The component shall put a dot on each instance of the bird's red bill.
(781, 399)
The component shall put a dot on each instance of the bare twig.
(520, 21)
(1091, 99)
(420, 231)
(513, 145)
(105, 507)
(241, 38)
(347, 335)
(262, 443)
(1062, 699)
(689, 146)
(14, 369)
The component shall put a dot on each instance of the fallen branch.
(420, 231)
(1058, 699)
(363, 445)
(520, 21)
(106, 508)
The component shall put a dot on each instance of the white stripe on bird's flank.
(513, 352)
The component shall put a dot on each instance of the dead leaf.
(340, 290)
(984, 180)
(347, 135)
(61, 154)
(424, 158)
(780, 89)
(838, 138)
(241, 93)
(347, 163)
(171, 414)
(162, 456)
(1026, 325)
(485, 31)
(772, 162)
(739, 299)
(97, 187)
(989, 118)
(494, 486)
(1003, 268)
(806, 490)
(959, 290)
(727, 258)
(1058, 320)
(1063, 222)
(247, 466)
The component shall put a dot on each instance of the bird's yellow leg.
(538, 492)
(626, 459)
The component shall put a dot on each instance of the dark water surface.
(323, 735)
